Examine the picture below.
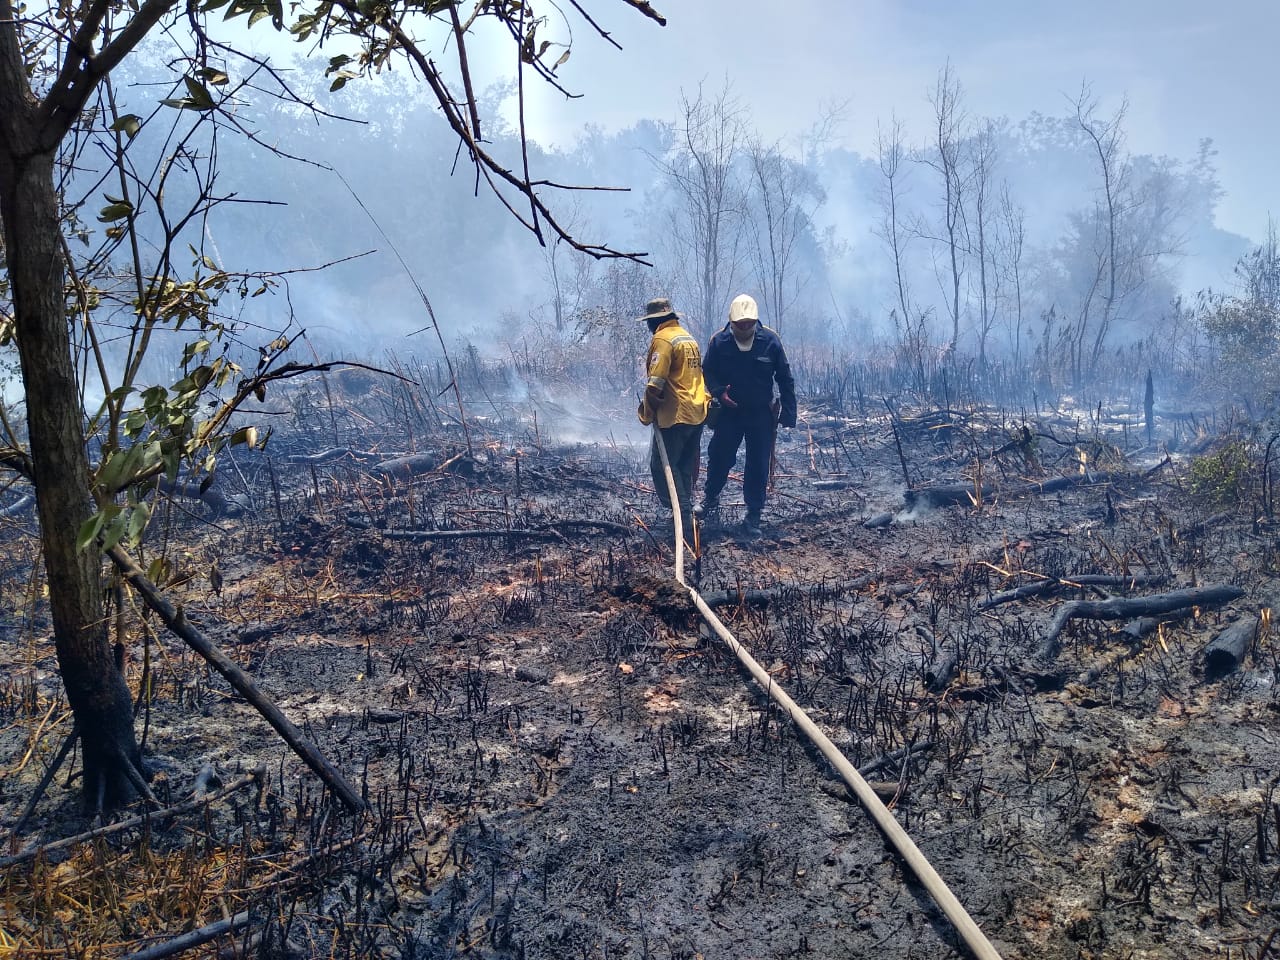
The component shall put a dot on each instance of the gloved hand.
(644, 412)
(727, 400)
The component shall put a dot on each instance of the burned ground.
(561, 761)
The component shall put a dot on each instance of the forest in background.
(1041, 243)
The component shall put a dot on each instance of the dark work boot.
(751, 524)
(708, 512)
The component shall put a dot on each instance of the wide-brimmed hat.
(659, 308)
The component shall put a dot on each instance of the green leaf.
(213, 76)
(119, 467)
(200, 96)
(246, 435)
(194, 349)
(137, 523)
(129, 125)
(112, 533)
(89, 531)
(158, 570)
(115, 211)
(134, 423)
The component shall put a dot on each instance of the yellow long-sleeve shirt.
(674, 369)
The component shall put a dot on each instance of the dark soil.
(561, 761)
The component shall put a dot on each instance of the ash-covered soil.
(562, 762)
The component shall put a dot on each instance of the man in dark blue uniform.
(741, 365)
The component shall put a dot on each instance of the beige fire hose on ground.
(902, 842)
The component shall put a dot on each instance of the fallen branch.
(176, 620)
(192, 938)
(546, 531)
(1053, 584)
(335, 453)
(904, 754)
(16, 508)
(470, 534)
(951, 493)
(153, 817)
(47, 779)
(761, 597)
(1121, 609)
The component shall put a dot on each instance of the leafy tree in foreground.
(56, 61)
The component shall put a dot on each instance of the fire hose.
(973, 937)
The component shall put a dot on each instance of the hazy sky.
(1189, 69)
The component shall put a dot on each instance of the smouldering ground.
(561, 763)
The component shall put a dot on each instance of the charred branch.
(155, 817)
(176, 620)
(1076, 582)
(1121, 609)
(969, 493)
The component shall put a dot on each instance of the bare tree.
(1105, 137)
(1012, 241)
(1126, 238)
(706, 226)
(984, 233)
(947, 158)
(890, 152)
(783, 197)
(569, 271)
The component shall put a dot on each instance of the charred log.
(947, 494)
(203, 491)
(1226, 652)
(1121, 609)
(941, 671)
(405, 468)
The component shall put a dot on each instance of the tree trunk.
(95, 686)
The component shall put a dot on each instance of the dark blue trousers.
(757, 429)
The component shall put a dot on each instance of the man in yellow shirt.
(677, 398)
